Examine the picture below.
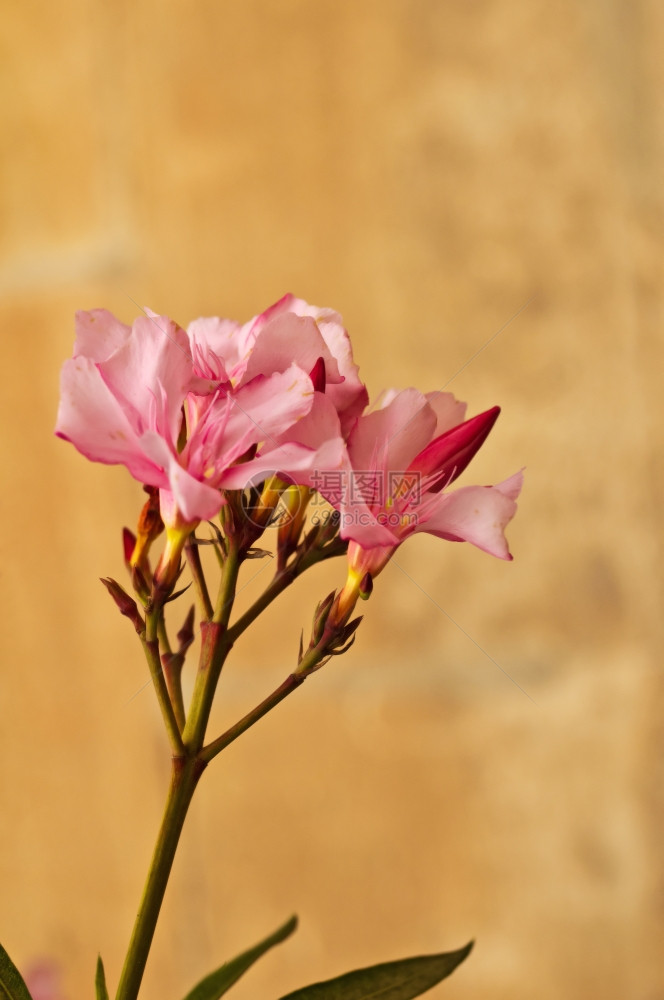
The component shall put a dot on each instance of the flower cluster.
(246, 426)
(275, 406)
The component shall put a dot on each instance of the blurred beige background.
(487, 761)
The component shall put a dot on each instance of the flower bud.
(321, 616)
(170, 567)
(140, 584)
(150, 526)
(178, 531)
(128, 545)
(447, 456)
(126, 605)
(329, 528)
(294, 500)
(366, 586)
(346, 637)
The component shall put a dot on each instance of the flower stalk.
(232, 421)
(185, 774)
(150, 643)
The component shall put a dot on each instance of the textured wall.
(487, 760)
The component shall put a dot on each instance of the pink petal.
(288, 339)
(292, 461)
(260, 411)
(219, 348)
(99, 334)
(511, 487)
(475, 514)
(196, 500)
(399, 431)
(301, 465)
(320, 424)
(349, 396)
(449, 411)
(361, 526)
(92, 419)
(282, 305)
(153, 364)
(266, 408)
(193, 498)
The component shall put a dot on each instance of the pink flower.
(193, 413)
(290, 332)
(316, 340)
(135, 396)
(124, 390)
(402, 458)
(43, 979)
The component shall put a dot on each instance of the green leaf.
(218, 982)
(400, 980)
(100, 981)
(12, 986)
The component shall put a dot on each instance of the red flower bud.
(366, 586)
(449, 454)
(126, 604)
(128, 545)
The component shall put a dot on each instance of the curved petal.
(193, 499)
(320, 424)
(90, 417)
(362, 527)
(475, 514)
(449, 410)
(292, 461)
(398, 431)
(350, 396)
(288, 339)
(282, 305)
(265, 408)
(154, 363)
(512, 487)
(218, 348)
(326, 470)
(98, 334)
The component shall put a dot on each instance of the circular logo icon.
(271, 499)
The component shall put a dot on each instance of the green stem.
(189, 757)
(196, 569)
(278, 584)
(184, 778)
(307, 665)
(283, 579)
(289, 685)
(215, 647)
(172, 665)
(162, 633)
(151, 649)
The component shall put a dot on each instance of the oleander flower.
(290, 331)
(403, 456)
(122, 399)
(182, 409)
